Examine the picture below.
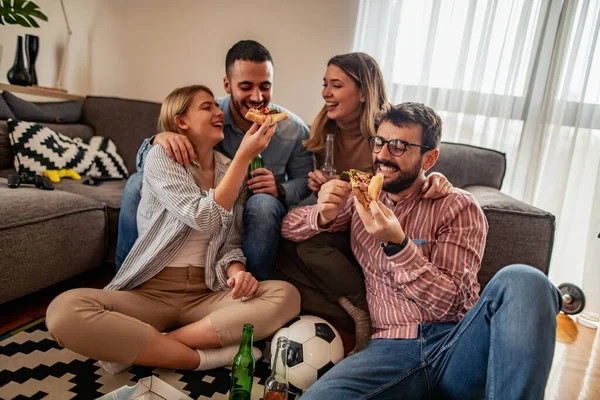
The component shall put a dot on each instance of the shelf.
(38, 91)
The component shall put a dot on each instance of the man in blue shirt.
(282, 182)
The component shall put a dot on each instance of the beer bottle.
(328, 169)
(242, 372)
(257, 162)
(276, 387)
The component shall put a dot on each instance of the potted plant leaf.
(21, 12)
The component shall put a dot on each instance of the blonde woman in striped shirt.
(186, 272)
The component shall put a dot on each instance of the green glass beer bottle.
(257, 162)
(242, 372)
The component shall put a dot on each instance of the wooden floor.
(575, 372)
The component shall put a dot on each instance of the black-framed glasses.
(396, 147)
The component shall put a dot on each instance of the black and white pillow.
(37, 148)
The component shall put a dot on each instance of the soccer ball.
(314, 347)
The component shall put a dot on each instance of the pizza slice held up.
(366, 187)
(260, 115)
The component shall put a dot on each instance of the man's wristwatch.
(281, 193)
(391, 249)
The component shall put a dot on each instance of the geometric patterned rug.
(34, 366)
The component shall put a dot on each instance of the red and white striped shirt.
(431, 282)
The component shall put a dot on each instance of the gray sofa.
(49, 236)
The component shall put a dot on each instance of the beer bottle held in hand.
(328, 169)
(276, 387)
(257, 162)
(242, 371)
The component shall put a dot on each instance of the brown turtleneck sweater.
(351, 151)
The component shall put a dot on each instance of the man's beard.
(404, 180)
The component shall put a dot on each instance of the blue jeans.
(127, 230)
(263, 214)
(501, 349)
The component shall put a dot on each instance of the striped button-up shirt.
(172, 205)
(433, 279)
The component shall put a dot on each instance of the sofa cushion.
(37, 148)
(108, 193)
(46, 237)
(519, 233)
(465, 165)
(126, 122)
(70, 130)
(66, 112)
(5, 111)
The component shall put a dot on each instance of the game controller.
(55, 174)
(41, 182)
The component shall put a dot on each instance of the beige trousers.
(115, 325)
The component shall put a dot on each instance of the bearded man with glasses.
(433, 335)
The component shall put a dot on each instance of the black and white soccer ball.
(315, 347)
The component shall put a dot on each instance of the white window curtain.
(518, 76)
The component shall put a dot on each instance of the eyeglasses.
(396, 147)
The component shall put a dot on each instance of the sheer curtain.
(519, 76)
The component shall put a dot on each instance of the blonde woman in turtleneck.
(354, 93)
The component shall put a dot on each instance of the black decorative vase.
(18, 74)
(32, 47)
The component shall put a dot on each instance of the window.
(475, 44)
(583, 48)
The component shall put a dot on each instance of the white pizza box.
(150, 388)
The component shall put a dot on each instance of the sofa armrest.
(126, 122)
(519, 233)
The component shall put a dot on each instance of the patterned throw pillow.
(37, 148)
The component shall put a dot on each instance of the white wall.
(145, 48)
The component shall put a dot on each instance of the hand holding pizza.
(332, 197)
(381, 223)
(256, 140)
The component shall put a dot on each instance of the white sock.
(220, 357)
(113, 367)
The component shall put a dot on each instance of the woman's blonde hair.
(177, 103)
(365, 73)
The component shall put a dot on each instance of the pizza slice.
(260, 115)
(360, 180)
